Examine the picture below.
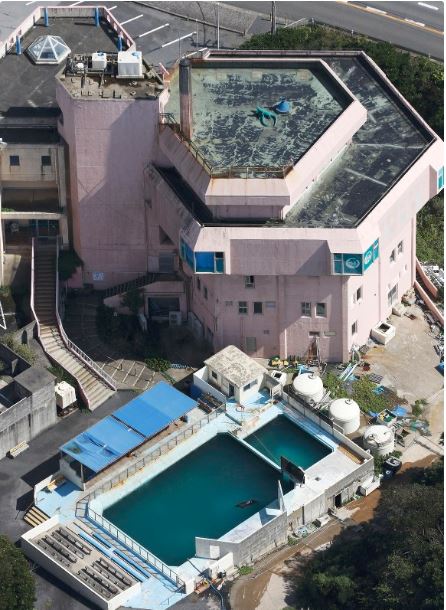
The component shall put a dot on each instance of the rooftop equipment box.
(65, 395)
(99, 61)
(130, 64)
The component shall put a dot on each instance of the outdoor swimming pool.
(282, 437)
(197, 496)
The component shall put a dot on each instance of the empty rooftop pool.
(282, 437)
(200, 495)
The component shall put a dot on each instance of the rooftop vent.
(48, 50)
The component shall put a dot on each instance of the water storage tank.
(379, 439)
(345, 413)
(309, 386)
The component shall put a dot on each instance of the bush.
(24, 351)
(417, 407)
(363, 394)
(17, 589)
(69, 261)
(335, 386)
(155, 363)
(62, 375)
(430, 232)
(245, 570)
(134, 300)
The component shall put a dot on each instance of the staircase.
(138, 282)
(34, 516)
(52, 336)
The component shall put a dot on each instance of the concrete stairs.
(34, 516)
(95, 390)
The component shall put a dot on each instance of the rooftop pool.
(281, 437)
(200, 495)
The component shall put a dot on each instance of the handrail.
(152, 559)
(32, 289)
(72, 346)
(242, 171)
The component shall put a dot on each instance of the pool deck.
(322, 475)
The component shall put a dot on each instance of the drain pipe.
(185, 98)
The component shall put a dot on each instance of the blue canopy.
(155, 409)
(103, 443)
(399, 411)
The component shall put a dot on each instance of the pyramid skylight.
(48, 50)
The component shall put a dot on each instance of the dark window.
(46, 161)
(214, 375)
(354, 328)
(198, 283)
(14, 160)
(258, 307)
(321, 310)
(205, 292)
(249, 281)
(305, 309)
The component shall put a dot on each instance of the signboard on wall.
(355, 264)
(98, 276)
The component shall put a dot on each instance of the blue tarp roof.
(103, 443)
(153, 410)
(128, 427)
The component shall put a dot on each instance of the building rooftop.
(226, 129)
(381, 151)
(235, 366)
(27, 85)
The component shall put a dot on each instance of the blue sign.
(371, 254)
(355, 264)
(440, 179)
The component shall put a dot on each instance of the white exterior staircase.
(94, 385)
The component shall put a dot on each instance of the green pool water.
(197, 496)
(282, 437)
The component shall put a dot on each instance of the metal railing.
(134, 546)
(137, 282)
(72, 346)
(32, 288)
(241, 171)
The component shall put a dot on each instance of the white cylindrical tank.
(309, 386)
(379, 439)
(345, 413)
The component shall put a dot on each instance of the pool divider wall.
(269, 537)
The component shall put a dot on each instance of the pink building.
(262, 236)
(272, 231)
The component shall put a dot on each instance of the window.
(228, 303)
(258, 307)
(205, 292)
(209, 262)
(392, 256)
(214, 374)
(250, 281)
(305, 309)
(266, 332)
(198, 284)
(14, 160)
(440, 178)
(321, 310)
(392, 295)
(314, 333)
(251, 346)
(400, 247)
(46, 161)
(357, 295)
(354, 327)
(243, 307)
(270, 304)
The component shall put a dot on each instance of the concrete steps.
(34, 516)
(95, 390)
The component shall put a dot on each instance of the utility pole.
(273, 18)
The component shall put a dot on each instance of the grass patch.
(245, 570)
(24, 351)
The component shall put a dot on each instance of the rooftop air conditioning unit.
(99, 61)
(130, 64)
(175, 318)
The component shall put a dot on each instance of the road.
(396, 24)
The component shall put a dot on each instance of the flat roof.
(381, 151)
(225, 96)
(25, 84)
(235, 366)
(155, 409)
(130, 426)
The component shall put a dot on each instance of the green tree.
(394, 563)
(134, 300)
(17, 589)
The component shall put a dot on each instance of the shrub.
(245, 570)
(17, 590)
(24, 351)
(363, 394)
(155, 363)
(69, 261)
